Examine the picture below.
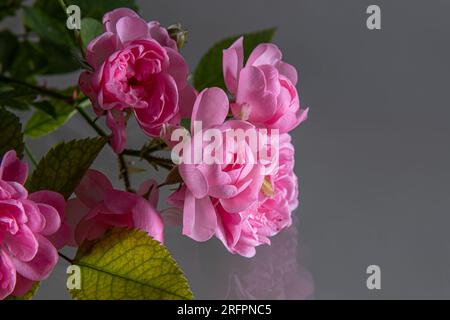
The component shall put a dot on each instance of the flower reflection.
(276, 272)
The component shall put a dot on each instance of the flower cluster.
(138, 68)
(32, 228)
(241, 203)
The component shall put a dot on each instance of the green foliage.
(8, 49)
(209, 70)
(11, 133)
(49, 116)
(128, 264)
(16, 96)
(9, 7)
(47, 27)
(65, 165)
(90, 28)
(28, 61)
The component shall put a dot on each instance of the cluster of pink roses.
(138, 69)
(34, 226)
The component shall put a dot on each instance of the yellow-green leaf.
(29, 295)
(65, 165)
(128, 264)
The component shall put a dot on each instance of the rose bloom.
(98, 207)
(239, 203)
(32, 228)
(235, 186)
(136, 67)
(264, 88)
(242, 232)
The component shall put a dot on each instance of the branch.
(42, 90)
(152, 160)
(124, 173)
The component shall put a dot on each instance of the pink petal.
(233, 61)
(52, 219)
(153, 195)
(247, 197)
(253, 94)
(51, 198)
(161, 35)
(7, 275)
(146, 218)
(12, 169)
(97, 51)
(194, 180)
(92, 188)
(110, 19)
(23, 245)
(187, 99)
(132, 28)
(115, 120)
(288, 71)
(14, 209)
(62, 237)
(266, 53)
(120, 202)
(42, 264)
(36, 222)
(177, 68)
(199, 218)
(23, 285)
(211, 107)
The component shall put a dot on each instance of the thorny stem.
(91, 122)
(124, 173)
(65, 258)
(153, 160)
(42, 90)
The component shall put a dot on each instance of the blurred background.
(373, 158)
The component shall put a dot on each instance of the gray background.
(372, 158)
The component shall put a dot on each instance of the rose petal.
(40, 267)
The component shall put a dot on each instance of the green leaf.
(8, 49)
(65, 165)
(209, 70)
(128, 264)
(9, 7)
(62, 59)
(16, 96)
(28, 62)
(11, 133)
(47, 27)
(44, 122)
(27, 296)
(90, 28)
(45, 106)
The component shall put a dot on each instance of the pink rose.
(138, 68)
(98, 207)
(264, 89)
(32, 228)
(244, 231)
(233, 186)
